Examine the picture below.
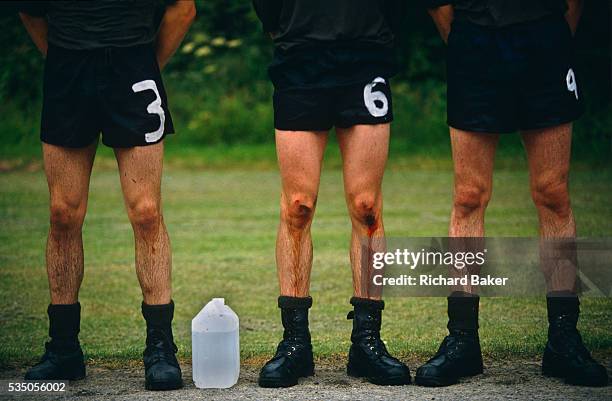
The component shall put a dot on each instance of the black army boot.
(565, 355)
(63, 358)
(162, 370)
(293, 358)
(459, 354)
(368, 356)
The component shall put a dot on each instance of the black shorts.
(114, 91)
(321, 109)
(519, 77)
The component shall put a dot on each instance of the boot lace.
(160, 348)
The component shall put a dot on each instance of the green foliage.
(219, 92)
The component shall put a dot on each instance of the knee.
(469, 199)
(365, 208)
(145, 215)
(552, 195)
(298, 210)
(67, 216)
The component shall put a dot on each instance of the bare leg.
(140, 169)
(68, 171)
(364, 155)
(300, 155)
(459, 354)
(364, 152)
(565, 355)
(473, 159)
(548, 153)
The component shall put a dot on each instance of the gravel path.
(514, 380)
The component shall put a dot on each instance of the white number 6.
(370, 98)
(153, 108)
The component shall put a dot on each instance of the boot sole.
(438, 381)
(380, 381)
(163, 386)
(80, 375)
(550, 371)
(434, 381)
(75, 378)
(276, 383)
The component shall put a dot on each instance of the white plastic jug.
(215, 346)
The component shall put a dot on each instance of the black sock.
(294, 302)
(64, 325)
(463, 312)
(368, 303)
(562, 303)
(159, 317)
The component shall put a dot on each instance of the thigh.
(364, 151)
(473, 159)
(140, 171)
(548, 154)
(300, 155)
(68, 171)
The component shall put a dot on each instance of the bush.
(219, 91)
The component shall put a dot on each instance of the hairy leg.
(68, 171)
(140, 169)
(473, 160)
(300, 155)
(548, 154)
(364, 153)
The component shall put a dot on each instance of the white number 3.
(153, 108)
(370, 98)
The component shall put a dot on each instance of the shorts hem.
(482, 130)
(300, 128)
(364, 122)
(529, 127)
(68, 145)
(328, 128)
(127, 145)
(550, 123)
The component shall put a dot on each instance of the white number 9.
(370, 97)
(153, 108)
(570, 79)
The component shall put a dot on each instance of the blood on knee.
(372, 223)
(364, 209)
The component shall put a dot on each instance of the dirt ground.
(512, 380)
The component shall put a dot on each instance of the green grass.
(223, 224)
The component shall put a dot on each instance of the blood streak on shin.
(372, 224)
